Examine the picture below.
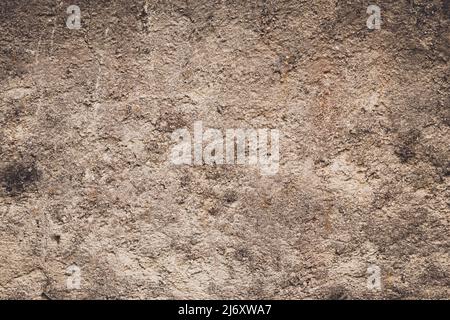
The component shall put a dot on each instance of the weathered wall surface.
(86, 119)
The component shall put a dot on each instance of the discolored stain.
(337, 293)
(405, 151)
(242, 254)
(230, 197)
(447, 170)
(56, 238)
(17, 177)
(169, 121)
(446, 7)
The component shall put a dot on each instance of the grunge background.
(86, 117)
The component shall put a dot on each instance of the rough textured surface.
(86, 117)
